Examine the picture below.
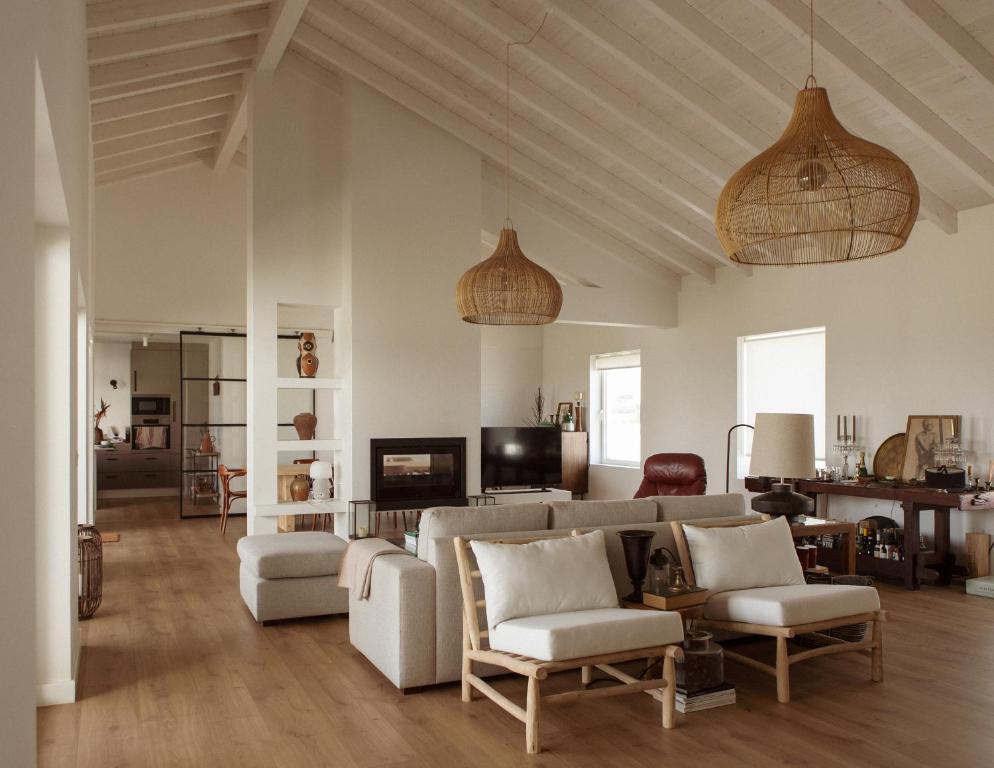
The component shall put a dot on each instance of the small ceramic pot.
(300, 489)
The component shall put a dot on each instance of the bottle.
(861, 465)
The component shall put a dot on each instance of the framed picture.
(561, 410)
(923, 437)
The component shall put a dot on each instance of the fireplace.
(417, 472)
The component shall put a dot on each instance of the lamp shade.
(783, 445)
(322, 470)
(819, 195)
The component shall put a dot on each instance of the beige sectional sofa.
(410, 628)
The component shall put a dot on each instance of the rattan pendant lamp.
(818, 195)
(507, 288)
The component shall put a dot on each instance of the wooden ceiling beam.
(109, 93)
(173, 63)
(566, 161)
(284, 18)
(767, 82)
(119, 15)
(620, 106)
(165, 99)
(152, 121)
(651, 66)
(163, 135)
(931, 128)
(169, 37)
(928, 19)
(593, 207)
(297, 60)
(159, 152)
(152, 168)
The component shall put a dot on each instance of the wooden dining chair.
(228, 495)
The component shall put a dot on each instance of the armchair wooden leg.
(877, 655)
(783, 671)
(586, 676)
(669, 693)
(224, 514)
(467, 669)
(531, 717)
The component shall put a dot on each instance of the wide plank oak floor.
(175, 672)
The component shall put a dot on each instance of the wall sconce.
(113, 383)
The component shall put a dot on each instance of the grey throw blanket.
(356, 571)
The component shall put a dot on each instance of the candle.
(990, 472)
(838, 427)
(845, 429)
(854, 428)
(952, 427)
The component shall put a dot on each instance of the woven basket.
(850, 633)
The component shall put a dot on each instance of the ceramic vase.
(307, 361)
(305, 424)
(300, 489)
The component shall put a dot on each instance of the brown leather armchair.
(673, 474)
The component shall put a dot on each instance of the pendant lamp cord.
(811, 82)
(507, 118)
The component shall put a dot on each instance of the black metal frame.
(183, 424)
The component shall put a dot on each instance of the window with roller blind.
(616, 398)
(781, 373)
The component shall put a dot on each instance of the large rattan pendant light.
(818, 195)
(507, 288)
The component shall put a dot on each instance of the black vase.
(637, 545)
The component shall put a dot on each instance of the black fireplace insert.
(417, 472)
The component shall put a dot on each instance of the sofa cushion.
(793, 605)
(446, 522)
(585, 514)
(744, 556)
(568, 573)
(576, 634)
(292, 555)
(696, 507)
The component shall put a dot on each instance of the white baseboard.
(58, 692)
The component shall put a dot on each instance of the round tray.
(888, 461)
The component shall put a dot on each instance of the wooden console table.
(913, 500)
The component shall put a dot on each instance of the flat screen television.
(521, 456)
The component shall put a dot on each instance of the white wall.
(906, 333)
(294, 245)
(170, 248)
(413, 227)
(510, 374)
(112, 360)
(49, 38)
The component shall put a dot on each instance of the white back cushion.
(744, 556)
(542, 577)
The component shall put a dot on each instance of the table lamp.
(322, 474)
(783, 446)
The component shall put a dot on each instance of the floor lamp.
(728, 451)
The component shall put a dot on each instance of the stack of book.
(709, 698)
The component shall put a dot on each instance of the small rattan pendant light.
(507, 288)
(818, 195)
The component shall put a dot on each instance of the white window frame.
(599, 364)
(743, 454)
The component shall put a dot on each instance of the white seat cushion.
(792, 605)
(296, 555)
(558, 636)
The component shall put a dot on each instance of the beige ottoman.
(292, 575)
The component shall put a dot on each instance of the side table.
(689, 603)
(816, 526)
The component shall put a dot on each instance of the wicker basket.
(91, 556)
(851, 633)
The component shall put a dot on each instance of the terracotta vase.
(207, 444)
(307, 361)
(98, 435)
(305, 424)
(300, 489)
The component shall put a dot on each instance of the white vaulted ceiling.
(629, 115)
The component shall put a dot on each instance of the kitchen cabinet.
(155, 370)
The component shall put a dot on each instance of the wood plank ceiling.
(628, 115)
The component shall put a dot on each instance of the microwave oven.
(151, 405)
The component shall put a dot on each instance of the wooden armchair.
(538, 669)
(228, 494)
(739, 611)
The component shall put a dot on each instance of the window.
(781, 373)
(616, 396)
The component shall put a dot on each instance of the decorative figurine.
(307, 361)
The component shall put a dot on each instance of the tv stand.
(525, 495)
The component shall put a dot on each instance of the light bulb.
(811, 175)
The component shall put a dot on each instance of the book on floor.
(709, 698)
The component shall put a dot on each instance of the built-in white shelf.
(309, 445)
(310, 507)
(302, 383)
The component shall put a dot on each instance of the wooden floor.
(176, 673)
